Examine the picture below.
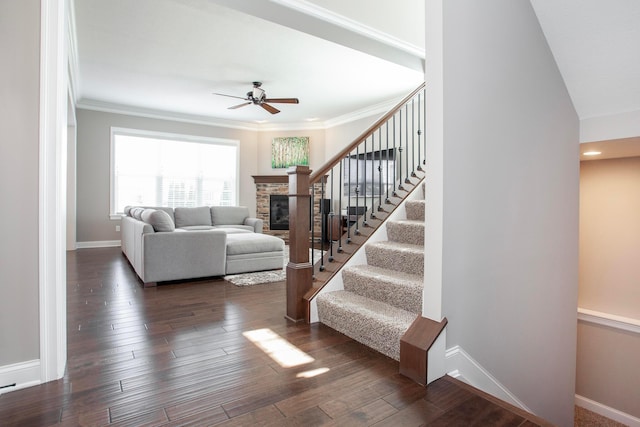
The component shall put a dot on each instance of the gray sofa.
(183, 243)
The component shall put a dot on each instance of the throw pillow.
(137, 213)
(146, 213)
(159, 220)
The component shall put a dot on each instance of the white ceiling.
(596, 44)
(337, 57)
(170, 55)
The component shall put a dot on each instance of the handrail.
(317, 174)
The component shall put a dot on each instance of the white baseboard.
(23, 374)
(98, 244)
(607, 411)
(462, 366)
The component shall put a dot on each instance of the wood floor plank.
(418, 413)
(478, 411)
(369, 414)
(263, 416)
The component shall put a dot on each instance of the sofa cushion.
(192, 216)
(229, 215)
(158, 219)
(249, 243)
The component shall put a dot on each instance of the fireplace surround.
(278, 212)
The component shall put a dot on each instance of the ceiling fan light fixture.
(258, 94)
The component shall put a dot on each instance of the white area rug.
(270, 276)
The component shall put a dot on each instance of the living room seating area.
(163, 243)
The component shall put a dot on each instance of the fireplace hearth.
(278, 212)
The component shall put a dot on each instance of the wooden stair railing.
(358, 188)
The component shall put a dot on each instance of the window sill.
(115, 217)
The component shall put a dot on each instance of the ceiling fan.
(258, 96)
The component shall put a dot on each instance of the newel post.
(299, 269)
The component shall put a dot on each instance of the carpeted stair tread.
(415, 209)
(402, 290)
(396, 256)
(406, 231)
(370, 322)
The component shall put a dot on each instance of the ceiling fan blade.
(239, 105)
(283, 100)
(270, 108)
(230, 96)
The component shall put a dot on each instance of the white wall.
(337, 137)
(510, 204)
(19, 161)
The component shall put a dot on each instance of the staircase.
(383, 297)
(369, 191)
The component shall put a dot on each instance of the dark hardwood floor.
(206, 352)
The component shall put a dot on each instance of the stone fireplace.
(278, 185)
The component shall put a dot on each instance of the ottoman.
(247, 252)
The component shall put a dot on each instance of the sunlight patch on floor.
(312, 373)
(280, 350)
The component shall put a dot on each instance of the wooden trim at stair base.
(414, 346)
(299, 280)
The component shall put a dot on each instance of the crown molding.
(310, 9)
(107, 107)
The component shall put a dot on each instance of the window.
(369, 173)
(156, 169)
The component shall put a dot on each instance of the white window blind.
(153, 169)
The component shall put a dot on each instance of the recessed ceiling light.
(311, 119)
(591, 153)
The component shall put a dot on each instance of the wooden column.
(299, 269)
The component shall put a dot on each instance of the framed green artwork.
(289, 151)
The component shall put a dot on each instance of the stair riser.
(405, 261)
(415, 209)
(411, 233)
(402, 296)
